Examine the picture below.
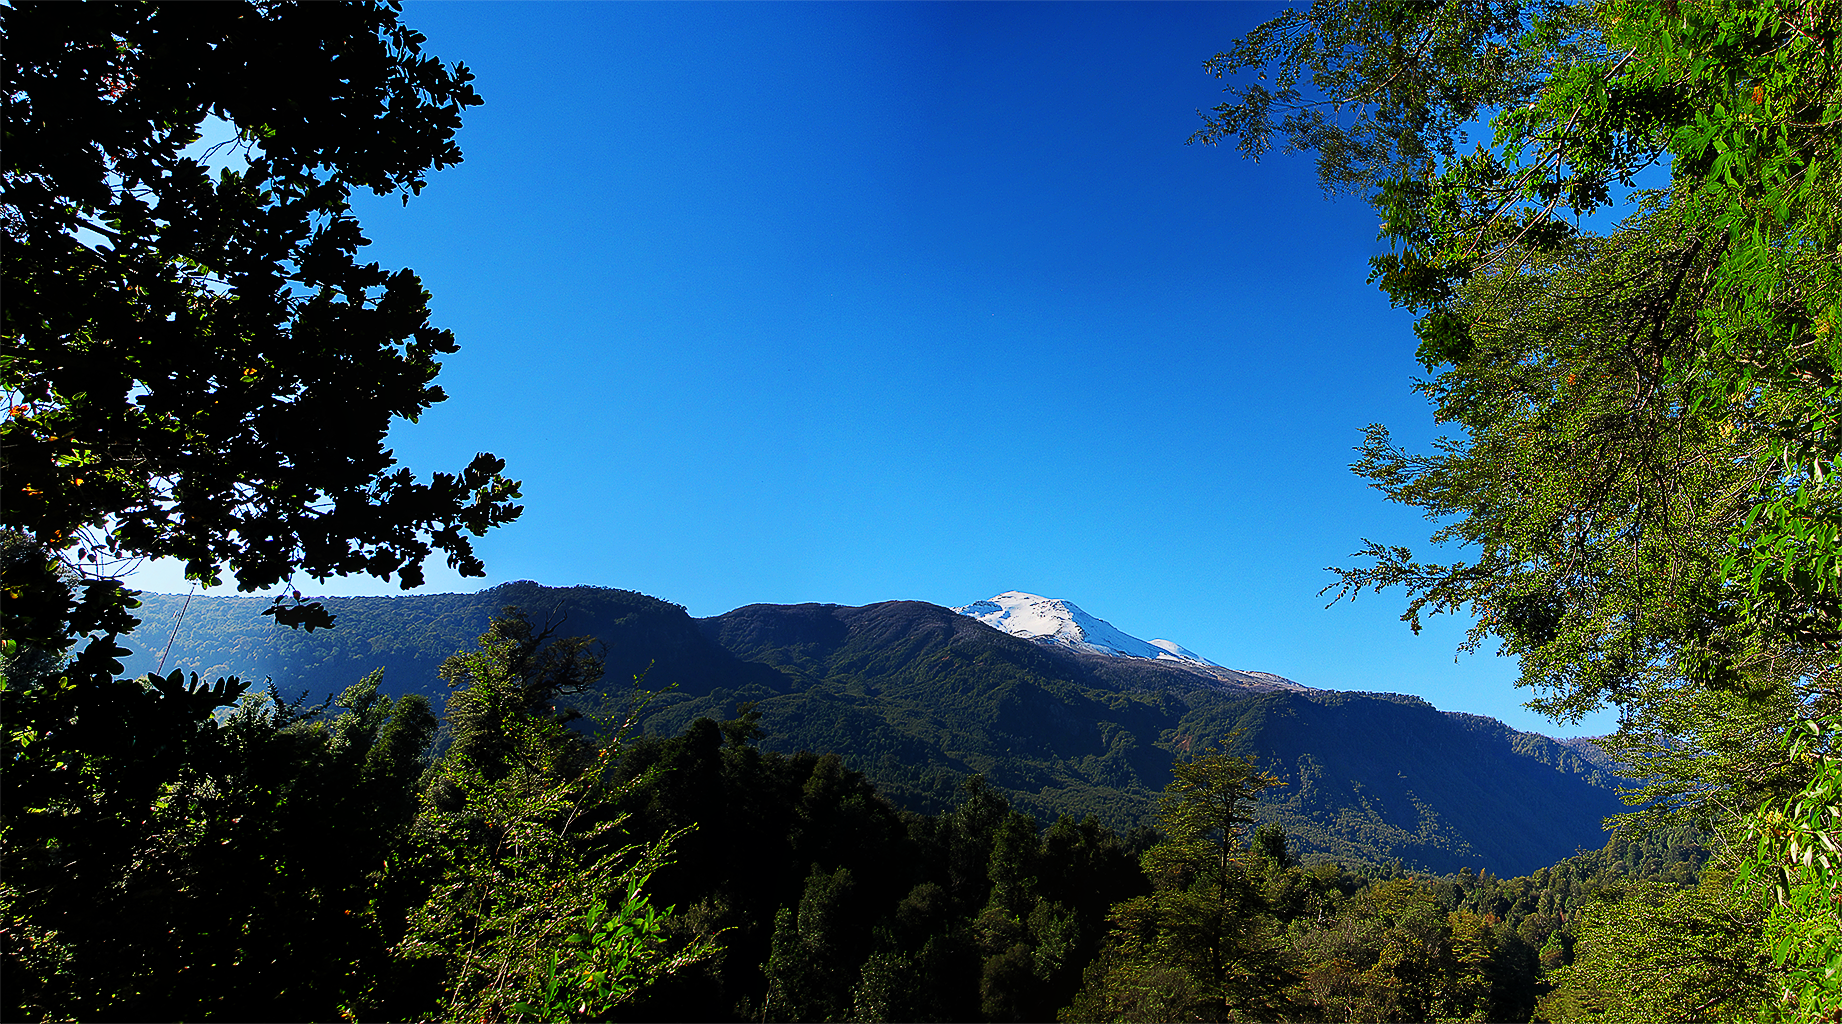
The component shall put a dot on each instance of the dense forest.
(1641, 477)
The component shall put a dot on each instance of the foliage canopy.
(198, 365)
(1646, 484)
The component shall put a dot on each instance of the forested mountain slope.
(1367, 776)
(918, 696)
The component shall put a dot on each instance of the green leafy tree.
(198, 365)
(1650, 952)
(897, 986)
(1393, 951)
(1594, 514)
(1647, 475)
(1797, 861)
(810, 966)
(1200, 945)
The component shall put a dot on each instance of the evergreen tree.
(537, 904)
(1202, 944)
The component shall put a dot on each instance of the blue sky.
(855, 302)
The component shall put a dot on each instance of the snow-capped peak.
(1178, 651)
(1055, 621)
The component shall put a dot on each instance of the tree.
(1596, 378)
(512, 682)
(1199, 946)
(537, 906)
(1726, 98)
(811, 967)
(1651, 952)
(164, 863)
(1652, 417)
(1795, 859)
(200, 367)
(1591, 496)
(1715, 320)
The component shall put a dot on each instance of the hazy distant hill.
(918, 696)
(409, 637)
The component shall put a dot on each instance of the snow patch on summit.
(1049, 620)
(1173, 649)
(1056, 621)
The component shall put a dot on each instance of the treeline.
(834, 905)
(183, 852)
(176, 852)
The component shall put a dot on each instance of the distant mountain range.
(1059, 710)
